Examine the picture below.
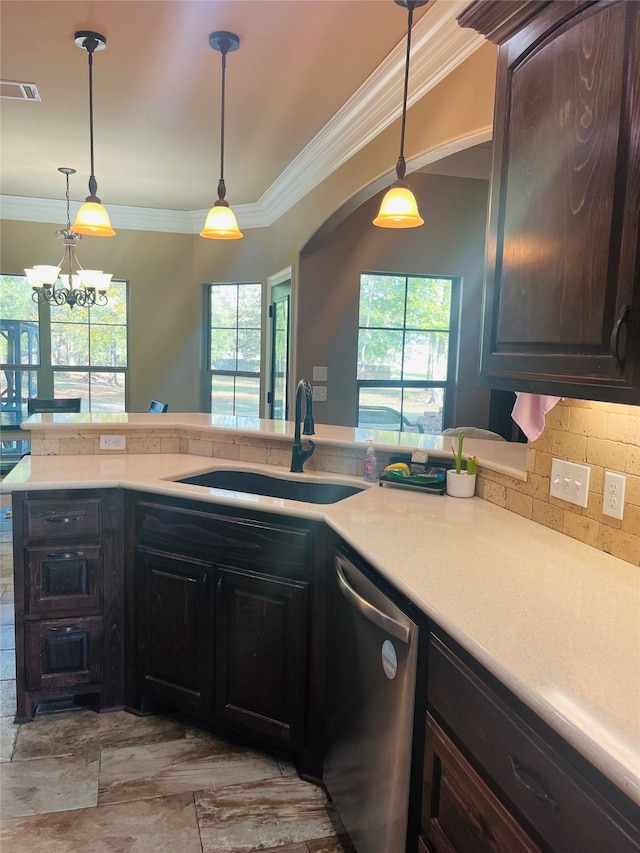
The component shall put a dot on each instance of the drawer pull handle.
(66, 555)
(64, 519)
(531, 784)
(64, 629)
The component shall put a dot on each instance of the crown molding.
(439, 45)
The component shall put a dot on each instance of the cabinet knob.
(618, 339)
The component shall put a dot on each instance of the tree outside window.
(406, 350)
(70, 352)
(234, 348)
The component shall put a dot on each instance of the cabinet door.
(175, 636)
(562, 301)
(261, 650)
(460, 814)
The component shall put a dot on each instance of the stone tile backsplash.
(604, 436)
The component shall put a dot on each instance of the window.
(406, 351)
(73, 352)
(234, 345)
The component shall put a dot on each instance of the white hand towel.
(529, 412)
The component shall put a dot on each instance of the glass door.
(279, 312)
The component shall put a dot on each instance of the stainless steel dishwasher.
(375, 721)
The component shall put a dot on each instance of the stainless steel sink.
(255, 483)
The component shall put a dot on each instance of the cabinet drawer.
(258, 545)
(63, 582)
(61, 519)
(562, 807)
(460, 814)
(63, 653)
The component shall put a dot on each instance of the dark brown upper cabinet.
(562, 291)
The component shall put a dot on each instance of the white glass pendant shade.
(93, 221)
(399, 209)
(33, 278)
(90, 278)
(221, 224)
(104, 281)
(47, 273)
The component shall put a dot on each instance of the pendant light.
(399, 208)
(68, 283)
(221, 221)
(92, 219)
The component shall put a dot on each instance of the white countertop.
(555, 620)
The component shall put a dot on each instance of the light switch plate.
(319, 374)
(613, 498)
(570, 482)
(319, 393)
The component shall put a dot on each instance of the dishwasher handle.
(373, 614)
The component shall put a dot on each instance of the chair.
(35, 405)
(157, 407)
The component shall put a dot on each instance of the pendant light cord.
(90, 45)
(401, 165)
(222, 190)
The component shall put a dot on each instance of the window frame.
(449, 384)
(45, 370)
(208, 372)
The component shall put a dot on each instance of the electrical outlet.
(319, 393)
(613, 498)
(113, 442)
(570, 482)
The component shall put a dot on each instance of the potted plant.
(461, 483)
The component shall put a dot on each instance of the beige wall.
(164, 302)
(167, 271)
(451, 242)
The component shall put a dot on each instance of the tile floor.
(116, 783)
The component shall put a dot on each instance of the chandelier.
(68, 283)
(399, 208)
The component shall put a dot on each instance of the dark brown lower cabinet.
(175, 618)
(225, 620)
(497, 779)
(261, 653)
(69, 602)
(460, 814)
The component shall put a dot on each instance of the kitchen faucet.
(300, 454)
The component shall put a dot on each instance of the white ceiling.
(313, 80)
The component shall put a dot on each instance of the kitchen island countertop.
(553, 619)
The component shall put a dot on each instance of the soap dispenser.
(370, 465)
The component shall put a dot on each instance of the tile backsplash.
(604, 436)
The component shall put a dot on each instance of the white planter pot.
(461, 485)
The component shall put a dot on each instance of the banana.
(401, 467)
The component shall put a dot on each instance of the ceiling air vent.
(19, 91)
